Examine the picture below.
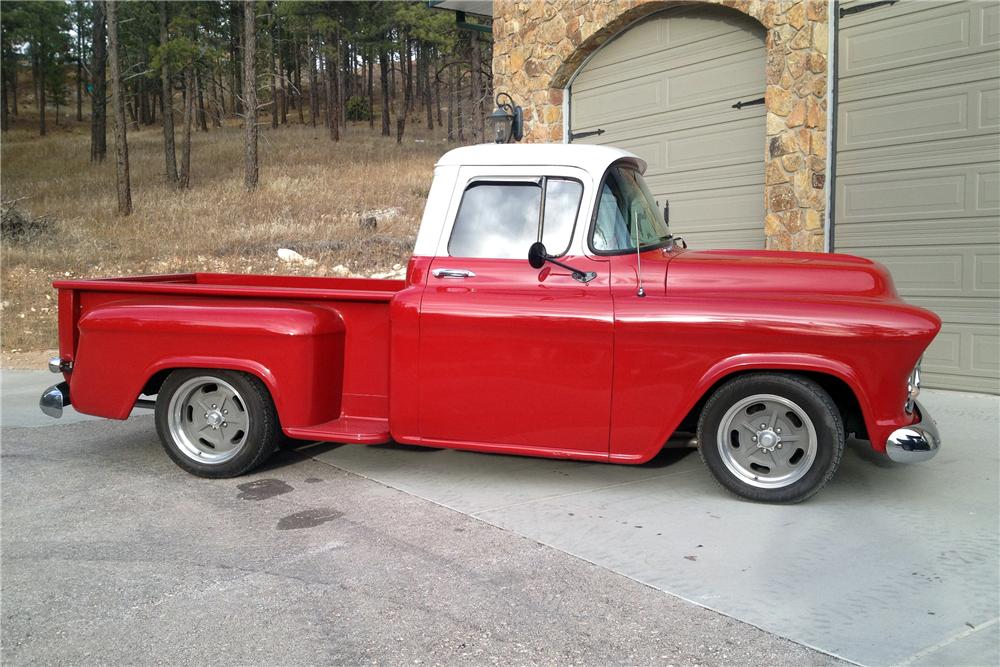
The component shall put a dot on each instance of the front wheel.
(216, 423)
(771, 437)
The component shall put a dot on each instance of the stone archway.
(539, 45)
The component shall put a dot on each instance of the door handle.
(453, 273)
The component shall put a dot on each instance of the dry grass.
(311, 195)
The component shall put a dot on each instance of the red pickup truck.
(547, 311)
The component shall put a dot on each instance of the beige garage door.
(664, 89)
(917, 183)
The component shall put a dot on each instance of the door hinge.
(581, 135)
(748, 103)
(856, 9)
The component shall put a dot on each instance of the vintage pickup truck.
(547, 311)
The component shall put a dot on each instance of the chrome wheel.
(208, 420)
(767, 441)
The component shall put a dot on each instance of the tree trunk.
(237, 19)
(98, 94)
(298, 84)
(332, 83)
(437, 95)
(169, 154)
(38, 74)
(218, 102)
(13, 87)
(459, 104)
(251, 168)
(408, 79)
(274, 71)
(189, 94)
(478, 119)
(428, 90)
(122, 177)
(313, 91)
(202, 114)
(282, 91)
(383, 67)
(452, 97)
(79, 60)
(342, 77)
(371, 96)
(4, 121)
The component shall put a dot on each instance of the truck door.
(513, 357)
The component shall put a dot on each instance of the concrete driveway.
(889, 564)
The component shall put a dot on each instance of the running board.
(361, 430)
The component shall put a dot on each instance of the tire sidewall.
(262, 436)
(811, 398)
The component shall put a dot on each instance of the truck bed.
(132, 320)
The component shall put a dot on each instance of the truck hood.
(776, 272)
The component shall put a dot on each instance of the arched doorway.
(664, 89)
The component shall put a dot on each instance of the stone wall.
(538, 45)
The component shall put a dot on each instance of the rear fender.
(296, 350)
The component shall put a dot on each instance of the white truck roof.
(594, 159)
(502, 160)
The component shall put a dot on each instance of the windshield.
(627, 213)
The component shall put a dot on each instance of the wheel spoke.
(236, 420)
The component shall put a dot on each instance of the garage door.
(664, 89)
(916, 184)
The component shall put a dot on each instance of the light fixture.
(507, 119)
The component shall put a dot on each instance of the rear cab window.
(501, 218)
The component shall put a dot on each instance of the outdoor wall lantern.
(507, 119)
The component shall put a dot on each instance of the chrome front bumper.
(54, 399)
(919, 441)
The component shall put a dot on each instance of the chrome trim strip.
(54, 399)
(917, 442)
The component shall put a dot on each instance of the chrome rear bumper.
(919, 441)
(54, 399)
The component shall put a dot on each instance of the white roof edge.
(594, 159)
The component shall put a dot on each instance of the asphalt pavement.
(393, 554)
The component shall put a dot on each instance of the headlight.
(913, 386)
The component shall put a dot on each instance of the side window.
(562, 204)
(496, 219)
(501, 219)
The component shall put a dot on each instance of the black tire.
(259, 441)
(723, 450)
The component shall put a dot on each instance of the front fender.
(297, 350)
(742, 363)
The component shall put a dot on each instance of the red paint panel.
(516, 356)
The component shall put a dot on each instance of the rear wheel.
(771, 437)
(216, 423)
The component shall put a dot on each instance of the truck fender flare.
(254, 368)
(788, 362)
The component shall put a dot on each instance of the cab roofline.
(595, 159)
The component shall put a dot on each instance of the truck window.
(500, 219)
(626, 210)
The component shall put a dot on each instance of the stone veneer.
(538, 45)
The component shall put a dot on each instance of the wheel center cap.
(214, 418)
(767, 439)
